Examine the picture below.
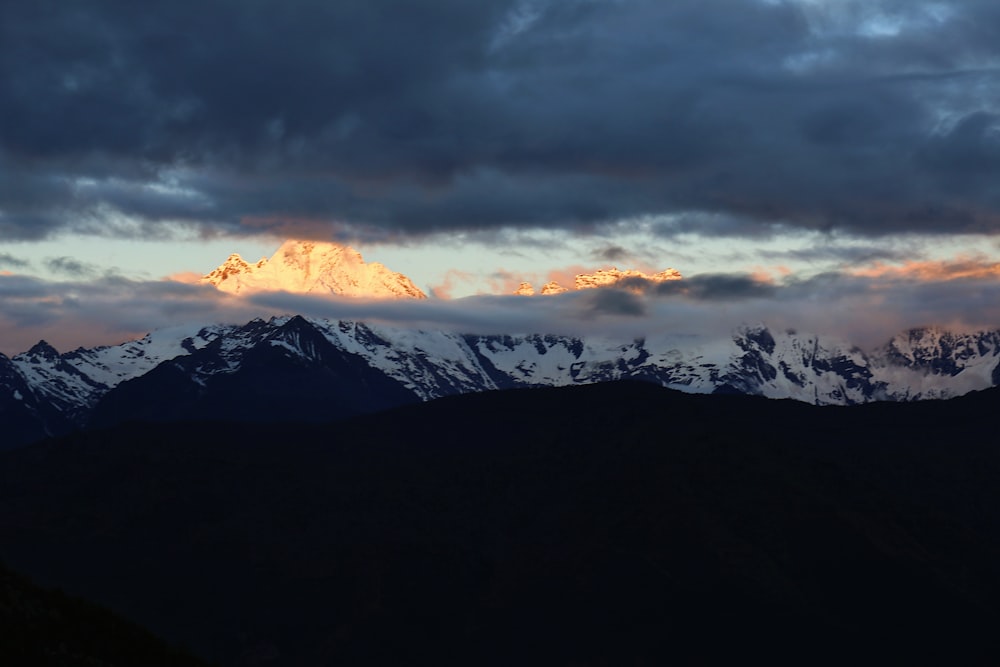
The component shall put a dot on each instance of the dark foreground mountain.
(47, 628)
(604, 524)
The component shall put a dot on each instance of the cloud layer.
(400, 118)
(861, 309)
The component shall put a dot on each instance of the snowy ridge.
(61, 390)
(56, 381)
(614, 275)
(74, 381)
(601, 278)
(929, 363)
(429, 363)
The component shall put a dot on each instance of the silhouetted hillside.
(604, 524)
(44, 628)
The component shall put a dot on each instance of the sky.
(826, 164)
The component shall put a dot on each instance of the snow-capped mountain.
(314, 268)
(299, 368)
(614, 275)
(600, 278)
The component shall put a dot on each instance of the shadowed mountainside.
(603, 524)
(44, 628)
(294, 368)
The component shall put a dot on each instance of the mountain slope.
(259, 372)
(313, 268)
(45, 628)
(22, 418)
(288, 366)
(602, 524)
(601, 278)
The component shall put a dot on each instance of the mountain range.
(299, 490)
(600, 278)
(299, 368)
(294, 367)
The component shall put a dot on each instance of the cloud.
(931, 271)
(398, 118)
(103, 311)
(190, 277)
(7, 259)
(712, 287)
(503, 281)
(71, 267)
(611, 253)
(566, 276)
(852, 254)
(452, 277)
(859, 309)
(611, 301)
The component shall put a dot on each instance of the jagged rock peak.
(605, 278)
(313, 267)
(44, 350)
(553, 287)
(234, 265)
(525, 289)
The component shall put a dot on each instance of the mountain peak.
(313, 267)
(525, 289)
(233, 266)
(601, 278)
(44, 350)
(552, 287)
(605, 277)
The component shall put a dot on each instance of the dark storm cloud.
(611, 301)
(718, 287)
(701, 287)
(873, 116)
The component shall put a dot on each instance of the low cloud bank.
(862, 309)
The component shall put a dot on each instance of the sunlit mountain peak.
(313, 267)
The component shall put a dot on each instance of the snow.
(429, 363)
(309, 267)
(920, 364)
(604, 277)
(113, 365)
(74, 381)
(600, 278)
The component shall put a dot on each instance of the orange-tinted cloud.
(187, 277)
(451, 279)
(934, 271)
(503, 281)
(566, 276)
(63, 334)
(770, 274)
